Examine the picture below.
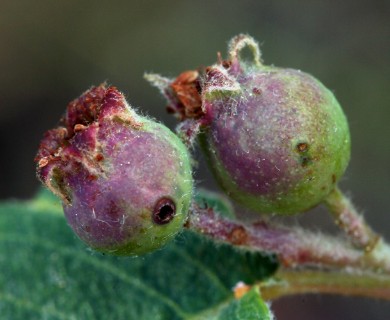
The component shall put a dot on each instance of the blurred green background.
(51, 51)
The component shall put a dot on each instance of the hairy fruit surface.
(276, 139)
(124, 180)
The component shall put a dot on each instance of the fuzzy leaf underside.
(47, 273)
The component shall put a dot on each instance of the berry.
(124, 180)
(276, 139)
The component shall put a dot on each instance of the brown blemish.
(99, 157)
(238, 236)
(79, 127)
(43, 162)
(91, 177)
(302, 147)
(257, 91)
(224, 63)
(305, 159)
(334, 178)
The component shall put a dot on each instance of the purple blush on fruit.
(124, 180)
(276, 139)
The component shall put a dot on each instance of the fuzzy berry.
(276, 139)
(125, 180)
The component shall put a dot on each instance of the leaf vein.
(100, 264)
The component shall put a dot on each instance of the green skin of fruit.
(279, 142)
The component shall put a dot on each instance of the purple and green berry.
(125, 180)
(276, 139)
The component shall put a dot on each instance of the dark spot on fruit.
(99, 157)
(302, 147)
(305, 161)
(92, 177)
(334, 178)
(226, 64)
(257, 91)
(164, 211)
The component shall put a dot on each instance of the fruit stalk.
(286, 283)
(349, 220)
(295, 247)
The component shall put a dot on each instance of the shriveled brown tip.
(186, 88)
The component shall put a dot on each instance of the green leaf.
(249, 307)
(47, 273)
(217, 201)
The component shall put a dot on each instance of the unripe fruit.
(125, 180)
(276, 139)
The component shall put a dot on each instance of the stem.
(240, 42)
(288, 283)
(294, 246)
(349, 220)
